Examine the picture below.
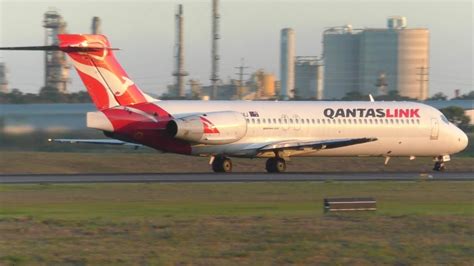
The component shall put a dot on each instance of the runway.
(229, 177)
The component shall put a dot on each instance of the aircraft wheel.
(275, 165)
(222, 165)
(439, 167)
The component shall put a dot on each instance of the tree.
(355, 96)
(467, 96)
(50, 95)
(393, 96)
(457, 116)
(438, 97)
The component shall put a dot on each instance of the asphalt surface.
(233, 177)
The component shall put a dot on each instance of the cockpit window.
(444, 119)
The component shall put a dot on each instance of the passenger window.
(253, 121)
(291, 121)
(274, 121)
(324, 121)
(286, 121)
(258, 121)
(365, 121)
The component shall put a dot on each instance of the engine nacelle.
(209, 128)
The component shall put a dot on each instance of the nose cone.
(461, 140)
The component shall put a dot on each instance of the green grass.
(242, 223)
(139, 162)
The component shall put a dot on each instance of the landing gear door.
(434, 129)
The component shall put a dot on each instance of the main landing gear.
(275, 165)
(222, 164)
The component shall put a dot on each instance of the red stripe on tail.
(106, 81)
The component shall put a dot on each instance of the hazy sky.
(144, 30)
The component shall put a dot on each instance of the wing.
(314, 145)
(96, 141)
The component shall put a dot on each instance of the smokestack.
(287, 63)
(179, 72)
(96, 26)
(215, 48)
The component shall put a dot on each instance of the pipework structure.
(179, 72)
(56, 65)
(215, 48)
(96, 26)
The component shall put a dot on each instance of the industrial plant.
(373, 61)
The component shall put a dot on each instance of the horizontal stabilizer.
(71, 49)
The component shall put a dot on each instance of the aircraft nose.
(462, 140)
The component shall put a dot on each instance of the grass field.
(422, 223)
(140, 162)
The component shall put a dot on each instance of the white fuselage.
(419, 131)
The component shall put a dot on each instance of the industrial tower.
(215, 48)
(287, 63)
(56, 66)
(179, 72)
(96, 26)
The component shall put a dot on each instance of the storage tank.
(341, 62)
(413, 62)
(268, 84)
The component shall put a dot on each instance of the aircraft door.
(434, 129)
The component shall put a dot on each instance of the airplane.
(276, 130)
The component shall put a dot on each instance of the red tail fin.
(106, 81)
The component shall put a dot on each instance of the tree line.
(46, 95)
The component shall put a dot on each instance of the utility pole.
(422, 78)
(241, 74)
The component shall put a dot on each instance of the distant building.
(355, 59)
(309, 78)
(287, 63)
(3, 78)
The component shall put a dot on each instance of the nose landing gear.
(439, 165)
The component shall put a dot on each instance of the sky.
(144, 31)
